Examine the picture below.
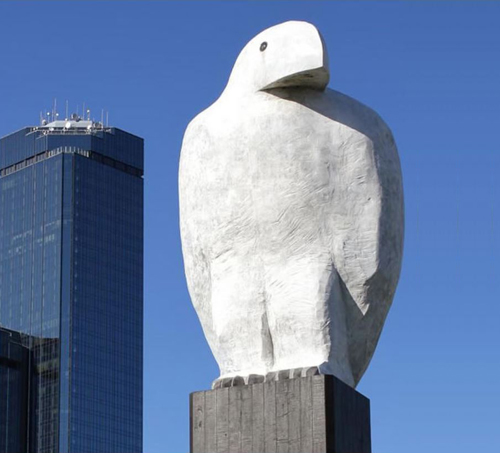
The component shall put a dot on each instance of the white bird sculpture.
(291, 217)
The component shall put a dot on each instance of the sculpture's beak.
(316, 78)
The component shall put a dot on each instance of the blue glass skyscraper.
(71, 283)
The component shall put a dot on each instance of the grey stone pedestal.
(318, 414)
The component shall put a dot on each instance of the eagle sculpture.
(291, 216)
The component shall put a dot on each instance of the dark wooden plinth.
(318, 414)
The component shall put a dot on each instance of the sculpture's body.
(291, 215)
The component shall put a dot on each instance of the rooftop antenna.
(102, 117)
(83, 112)
(67, 111)
(88, 114)
(107, 119)
(54, 110)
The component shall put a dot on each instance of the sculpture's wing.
(192, 183)
(367, 222)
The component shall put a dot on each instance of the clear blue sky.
(432, 70)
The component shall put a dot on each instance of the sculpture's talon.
(271, 376)
(310, 371)
(222, 383)
(255, 379)
(283, 374)
(237, 381)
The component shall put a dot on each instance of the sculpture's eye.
(263, 46)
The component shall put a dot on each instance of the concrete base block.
(317, 414)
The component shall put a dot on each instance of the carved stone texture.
(291, 215)
(318, 414)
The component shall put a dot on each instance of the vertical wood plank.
(270, 417)
(235, 420)
(365, 416)
(210, 422)
(306, 414)
(246, 419)
(257, 417)
(333, 409)
(294, 431)
(282, 438)
(197, 422)
(222, 422)
(319, 421)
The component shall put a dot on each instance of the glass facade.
(14, 359)
(71, 264)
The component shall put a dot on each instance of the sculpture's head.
(291, 54)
